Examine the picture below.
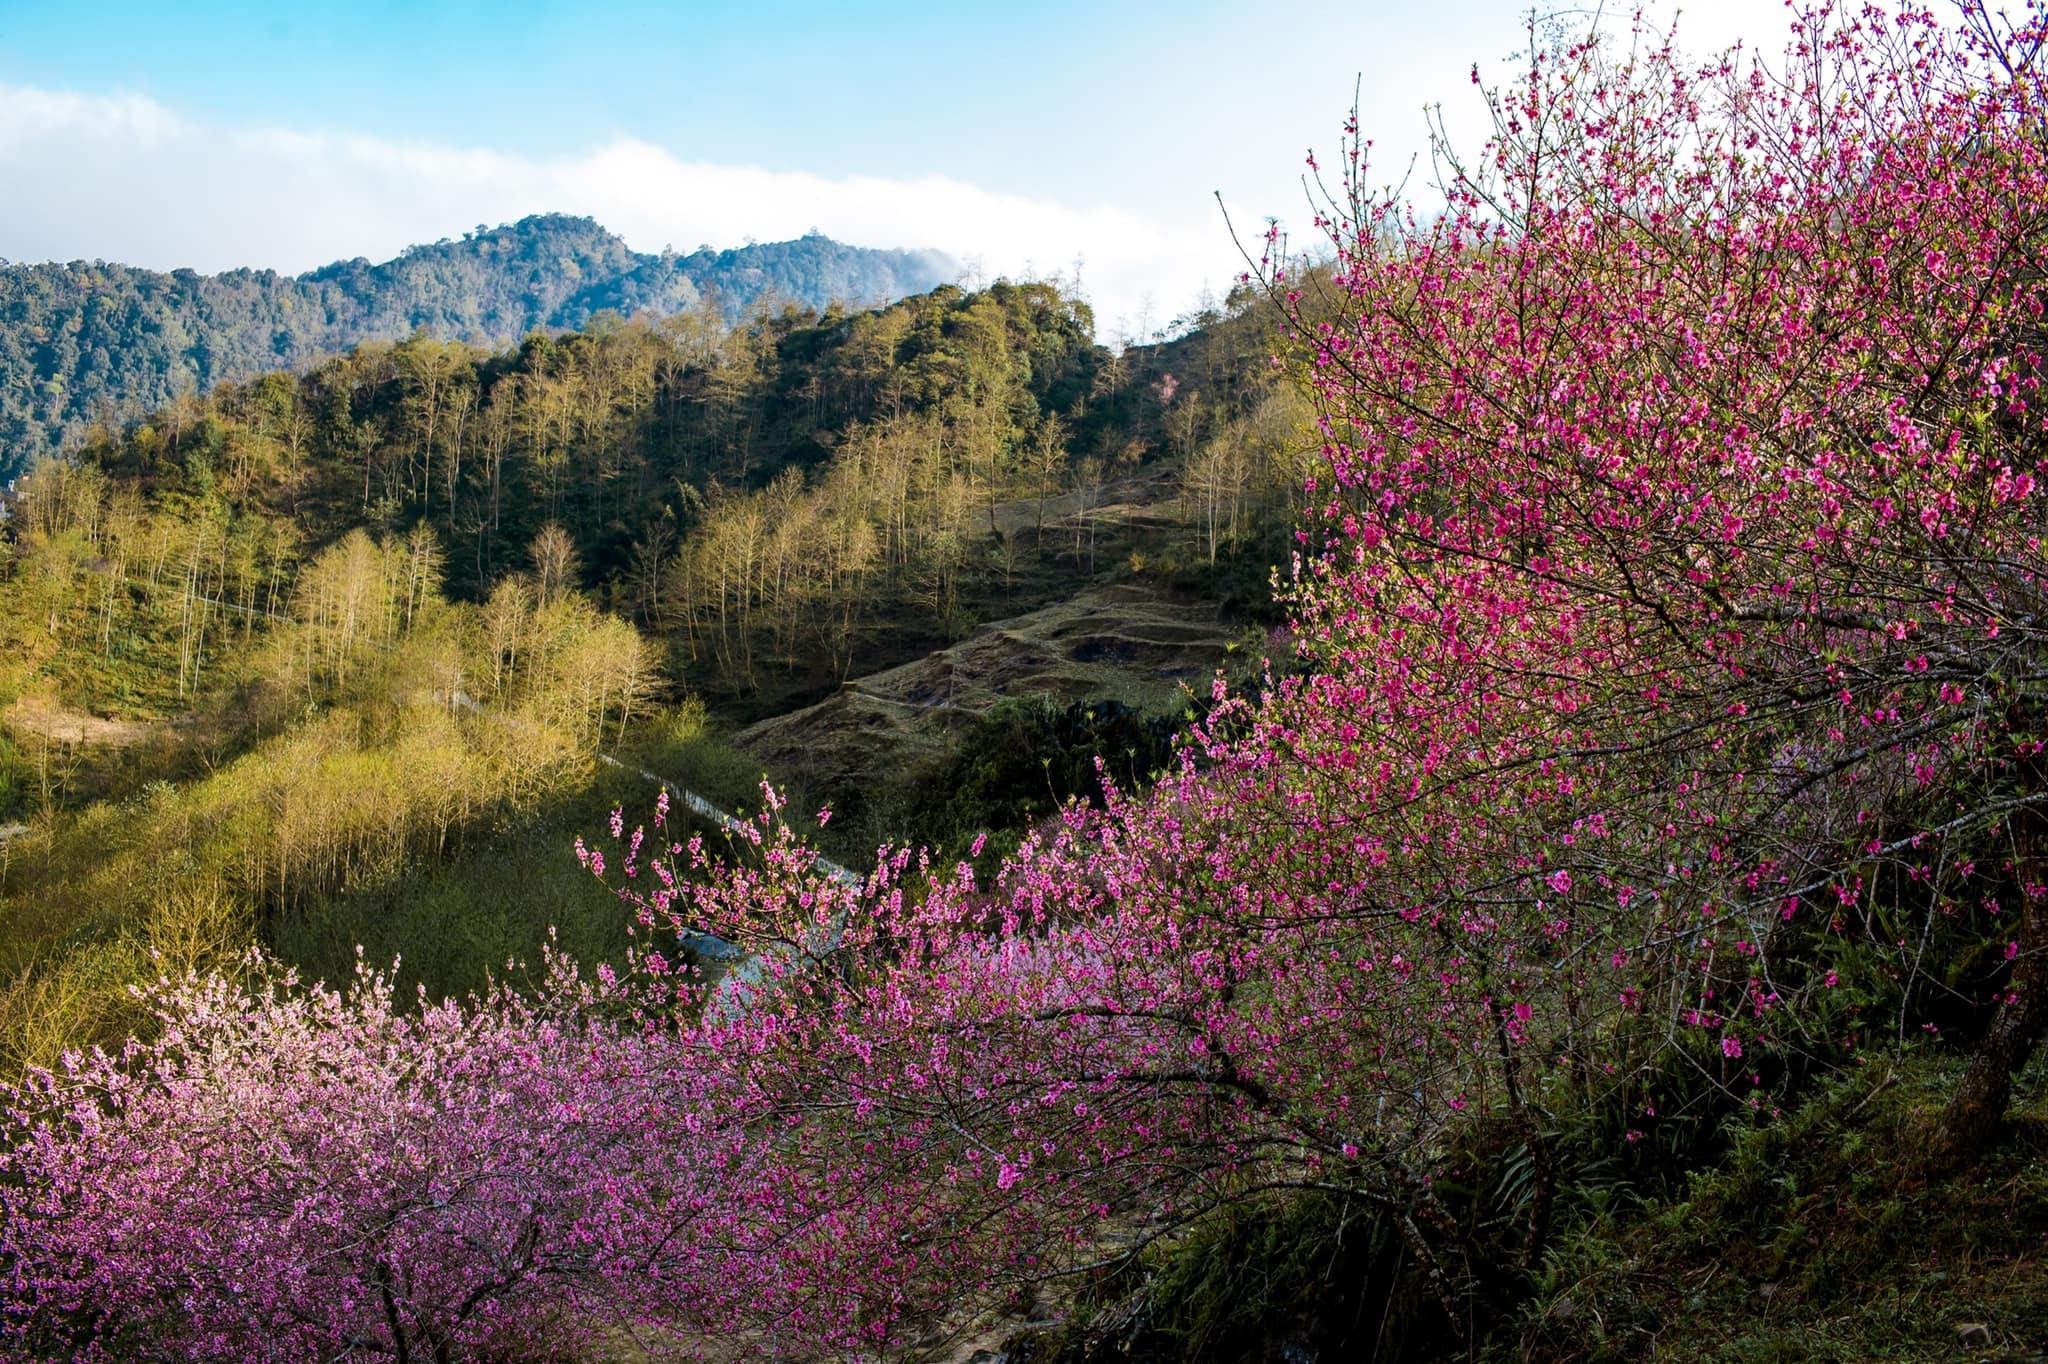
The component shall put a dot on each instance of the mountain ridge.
(82, 340)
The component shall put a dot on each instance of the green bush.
(1026, 758)
(1316, 1276)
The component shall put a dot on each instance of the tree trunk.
(1979, 1105)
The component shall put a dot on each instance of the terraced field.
(1129, 642)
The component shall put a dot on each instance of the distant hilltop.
(87, 338)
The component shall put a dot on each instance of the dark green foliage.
(1241, 580)
(86, 340)
(1314, 1277)
(813, 272)
(1027, 757)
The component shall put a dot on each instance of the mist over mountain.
(85, 338)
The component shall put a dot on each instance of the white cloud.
(30, 117)
(124, 178)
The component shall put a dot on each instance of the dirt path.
(722, 818)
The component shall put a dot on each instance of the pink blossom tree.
(1679, 566)
(290, 1173)
(1673, 624)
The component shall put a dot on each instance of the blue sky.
(1026, 136)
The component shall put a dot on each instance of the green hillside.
(242, 627)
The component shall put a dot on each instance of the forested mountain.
(88, 338)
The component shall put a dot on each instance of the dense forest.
(91, 341)
(781, 497)
(249, 625)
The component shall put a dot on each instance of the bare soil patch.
(40, 717)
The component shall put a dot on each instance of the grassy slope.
(1821, 1238)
